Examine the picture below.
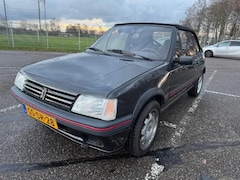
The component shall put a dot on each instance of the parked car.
(228, 48)
(111, 96)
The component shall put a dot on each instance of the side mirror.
(185, 60)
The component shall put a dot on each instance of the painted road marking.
(10, 67)
(157, 168)
(169, 124)
(186, 119)
(5, 75)
(10, 108)
(224, 94)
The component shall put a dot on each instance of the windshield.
(149, 42)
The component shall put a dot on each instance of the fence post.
(11, 29)
(46, 29)
(6, 19)
(79, 42)
(47, 38)
(38, 36)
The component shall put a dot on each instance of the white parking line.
(10, 67)
(169, 124)
(10, 108)
(156, 168)
(5, 75)
(224, 94)
(186, 119)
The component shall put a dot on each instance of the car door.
(234, 49)
(183, 75)
(223, 49)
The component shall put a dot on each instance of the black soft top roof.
(178, 26)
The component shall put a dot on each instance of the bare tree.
(1, 20)
(54, 26)
(199, 16)
(23, 24)
(187, 21)
(218, 18)
(72, 29)
(223, 11)
(234, 19)
(195, 15)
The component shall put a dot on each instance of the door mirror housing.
(184, 60)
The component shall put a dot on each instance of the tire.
(145, 130)
(208, 53)
(196, 89)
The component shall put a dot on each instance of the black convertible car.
(111, 96)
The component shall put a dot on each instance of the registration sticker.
(24, 108)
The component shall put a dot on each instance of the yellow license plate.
(42, 117)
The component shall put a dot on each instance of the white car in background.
(228, 48)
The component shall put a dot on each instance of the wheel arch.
(150, 95)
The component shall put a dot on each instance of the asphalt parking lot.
(198, 139)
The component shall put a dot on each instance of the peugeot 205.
(111, 96)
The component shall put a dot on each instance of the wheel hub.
(149, 129)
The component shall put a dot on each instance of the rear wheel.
(208, 53)
(145, 130)
(196, 89)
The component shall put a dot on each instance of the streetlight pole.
(5, 11)
(39, 22)
(46, 23)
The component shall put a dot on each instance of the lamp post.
(46, 30)
(39, 23)
(5, 11)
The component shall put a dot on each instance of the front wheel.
(197, 87)
(145, 129)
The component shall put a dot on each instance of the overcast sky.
(107, 12)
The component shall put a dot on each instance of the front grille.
(51, 96)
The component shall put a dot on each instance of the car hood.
(87, 72)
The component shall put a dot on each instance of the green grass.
(56, 43)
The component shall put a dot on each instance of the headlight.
(105, 109)
(19, 81)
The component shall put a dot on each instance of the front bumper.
(106, 136)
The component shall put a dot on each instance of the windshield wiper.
(144, 57)
(128, 53)
(98, 50)
(120, 51)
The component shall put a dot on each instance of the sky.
(99, 12)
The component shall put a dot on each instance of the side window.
(235, 43)
(189, 43)
(178, 47)
(224, 44)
